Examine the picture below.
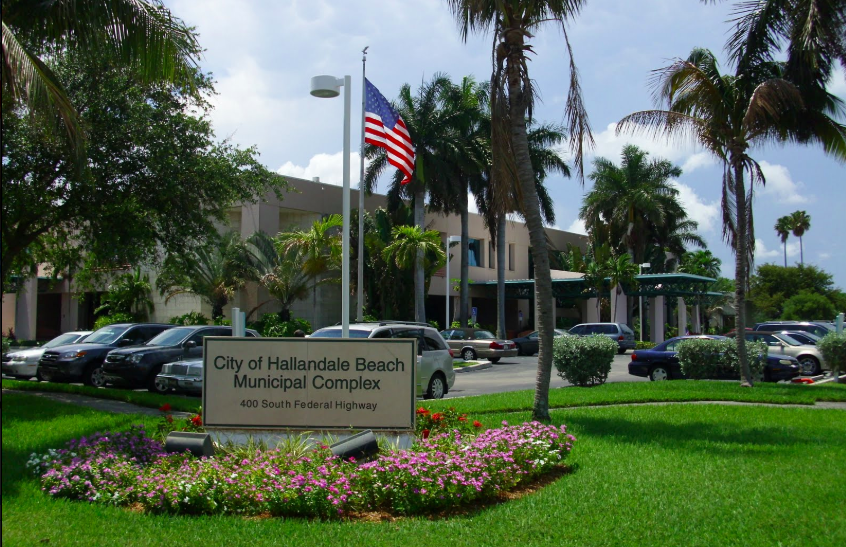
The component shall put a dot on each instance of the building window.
(491, 255)
(474, 257)
(511, 257)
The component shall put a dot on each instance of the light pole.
(327, 87)
(640, 268)
(450, 239)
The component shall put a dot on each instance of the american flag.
(384, 128)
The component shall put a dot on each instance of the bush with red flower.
(167, 423)
(429, 423)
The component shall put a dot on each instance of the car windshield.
(63, 339)
(106, 335)
(171, 337)
(789, 340)
(484, 335)
(336, 333)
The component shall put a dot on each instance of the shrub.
(429, 423)
(807, 304)
(271, 325)
(6, 344)
(434, 324)
(644, 345)
(706, 358)
(583, 360)
(190, 318)
(113, 318)
(833, 349)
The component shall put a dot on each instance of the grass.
(651, 475)
(647, 392)
(140, 398)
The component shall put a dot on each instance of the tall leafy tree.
(622, 272)
(129, 294)
(728, 115)
(635, 199)
(410, 242)
(800, 222)
(141, 34)
(282, 274)
(160, 180)
(212, 272)
(431, 120)
(702, 262)
(513, 23)
(782, 228)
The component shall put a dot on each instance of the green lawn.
(648, 475)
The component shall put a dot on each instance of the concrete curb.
(477, 366)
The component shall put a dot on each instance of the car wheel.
(621, 351)
(468, 354)
(95, 377)
(810, 366)
(39, 376)
(494, 359)
(658, 373)
(519, 349)
(156, 385)
(759, 377)
(437, 387)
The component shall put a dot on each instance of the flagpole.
(360, 284)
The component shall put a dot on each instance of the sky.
(263, 53)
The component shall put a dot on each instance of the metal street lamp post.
(327, 87)
(450, 239)
(640, 268)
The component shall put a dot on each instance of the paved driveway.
(518, 373)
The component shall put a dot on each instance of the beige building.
(43, 309)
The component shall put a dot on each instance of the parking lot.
(518, 373)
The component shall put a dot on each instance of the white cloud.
(780, 186)
(329, 167)
(577, 227)
(706, 214)
(761, 251)
(825, 256)
(694, 162)
(837, 85)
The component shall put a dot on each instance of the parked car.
(435, 373)
(662, 362)
(809, 356)
(619, 332)
(471, 343)
(184, 376)
(139, 366)
(24, 363)
(84, 362)
(528, 345)
(820, 329)
(802, 337)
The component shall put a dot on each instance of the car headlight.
(72, 355)
(136, 357)
(785, 362)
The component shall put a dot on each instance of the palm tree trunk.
(801, 252)
(784, 245)
(537, 236)
(464, 295)
(741, 266)
(500, 277)
(419, 279)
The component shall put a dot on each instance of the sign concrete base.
(273, 437)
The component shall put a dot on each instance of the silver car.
(24, 363)
(435, 373)
(185, 376)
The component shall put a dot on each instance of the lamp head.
(325, 86)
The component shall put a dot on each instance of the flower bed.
(448, 468)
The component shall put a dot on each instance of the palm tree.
(800, 222)
(622, 272)
(129, 294)
(283, 274)
(409, 243)
(701, 262)
(431, 121)
(513, 23)
(635, 199)
(728, 115)
(319, 247)
(782, 228)
(214, 272)
(138, 33)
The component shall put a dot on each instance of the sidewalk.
(106, 405)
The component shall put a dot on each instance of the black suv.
(139, 366)
(819, 329)
(83, 362)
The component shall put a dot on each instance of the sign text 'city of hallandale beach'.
(303, 383)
